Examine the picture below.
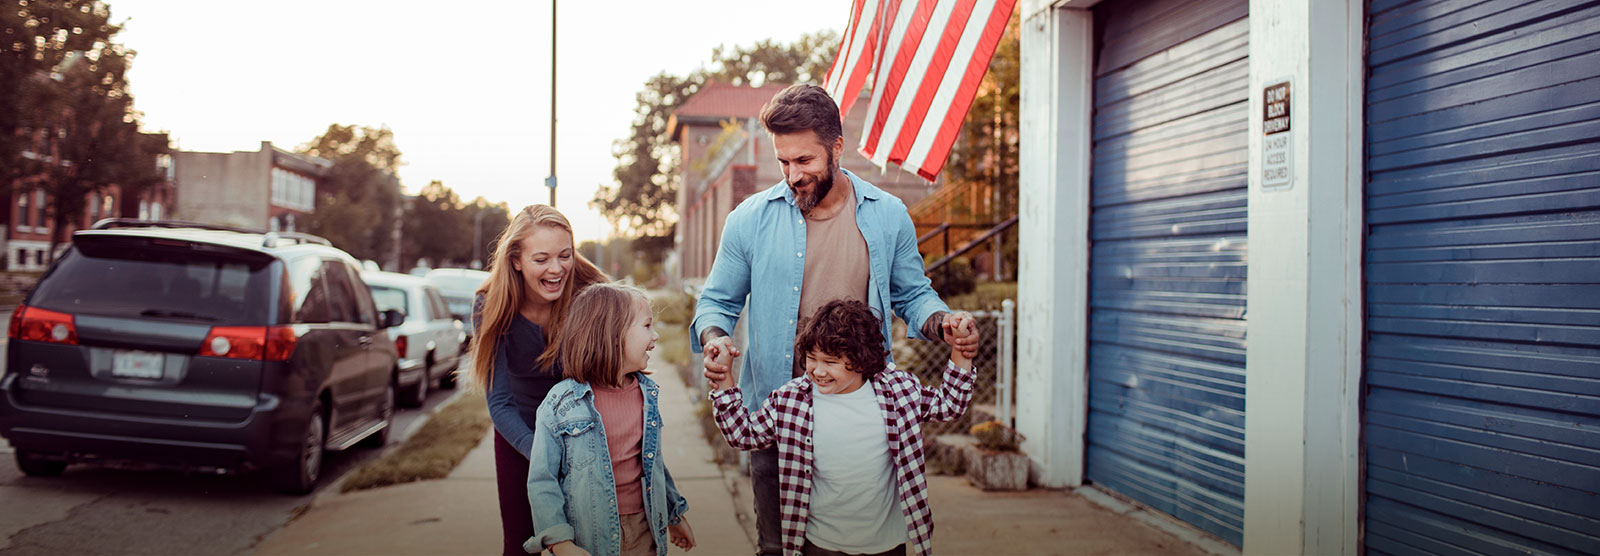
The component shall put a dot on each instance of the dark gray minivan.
(197, 346)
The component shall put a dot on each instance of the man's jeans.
(764, 484)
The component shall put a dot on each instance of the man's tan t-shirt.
(837, 266)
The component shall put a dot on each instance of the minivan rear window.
(127, 279)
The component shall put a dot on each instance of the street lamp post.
(551, 182)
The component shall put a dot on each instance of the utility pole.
(551, 181)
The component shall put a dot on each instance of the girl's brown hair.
(504, 291)
(592, 347)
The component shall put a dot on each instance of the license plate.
(136, 364)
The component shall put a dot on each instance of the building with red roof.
(727, 156)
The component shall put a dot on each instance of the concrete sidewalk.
(460, 514)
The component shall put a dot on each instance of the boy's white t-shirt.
(854, 498)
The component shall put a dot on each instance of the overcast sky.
(467, 93)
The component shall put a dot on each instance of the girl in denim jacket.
(596, 480)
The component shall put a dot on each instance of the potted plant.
(996, 463)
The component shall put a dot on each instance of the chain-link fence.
(996, 361)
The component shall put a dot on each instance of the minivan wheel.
(34, 465)
(300, 476)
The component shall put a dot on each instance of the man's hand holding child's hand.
(961, 332)
(718, 356)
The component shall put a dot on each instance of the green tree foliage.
(358, 202)
(808, 59)
(494, 218)
(446, 231)
(68, 121)
(37, 37)
(433, 227)
(640, 202)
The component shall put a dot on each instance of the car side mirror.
(392, 318)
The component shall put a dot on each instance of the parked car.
(458, 285)
(194, 346)
(430, 340)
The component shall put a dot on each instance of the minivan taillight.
(400, 346)
(41, 325)
(266, 343)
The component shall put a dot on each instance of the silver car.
(458, 286)
(429, 340)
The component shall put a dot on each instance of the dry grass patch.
(433, 451)
(673, 313)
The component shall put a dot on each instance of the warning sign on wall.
(1277, 168)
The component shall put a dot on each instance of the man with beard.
(820, 235)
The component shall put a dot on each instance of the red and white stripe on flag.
(925, 59)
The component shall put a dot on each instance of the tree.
(640, 202)
(73, 129)
(39, 36)
(494, 218)
(436, 227)
(808, 59)
(358, 199)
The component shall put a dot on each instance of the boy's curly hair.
(847, 329)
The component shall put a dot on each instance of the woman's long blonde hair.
(503, 291)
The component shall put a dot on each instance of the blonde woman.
(519, 311)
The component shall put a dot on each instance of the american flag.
(925, 59)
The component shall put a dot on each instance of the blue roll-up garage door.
(1167, 264)
(1481, 429)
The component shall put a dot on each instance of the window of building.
(108, 205)
(37, 216)
(94, 207)
(292, 190)
(155, 211)
(23, 217)
(144, 210)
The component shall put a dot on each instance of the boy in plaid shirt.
(849, 438)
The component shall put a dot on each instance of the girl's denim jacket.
(570, 485)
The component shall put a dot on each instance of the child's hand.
(719, 354)
(681, 535)
(567, 548)
(961, 332)
(961, 359)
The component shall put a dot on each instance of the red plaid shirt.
(785, 419)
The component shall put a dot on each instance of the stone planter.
(994, 470)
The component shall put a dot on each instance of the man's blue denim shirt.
(762, 256)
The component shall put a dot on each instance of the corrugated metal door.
(1482, 408)
(1167, 265)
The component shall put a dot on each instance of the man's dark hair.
(801, 107)
(846, 329)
